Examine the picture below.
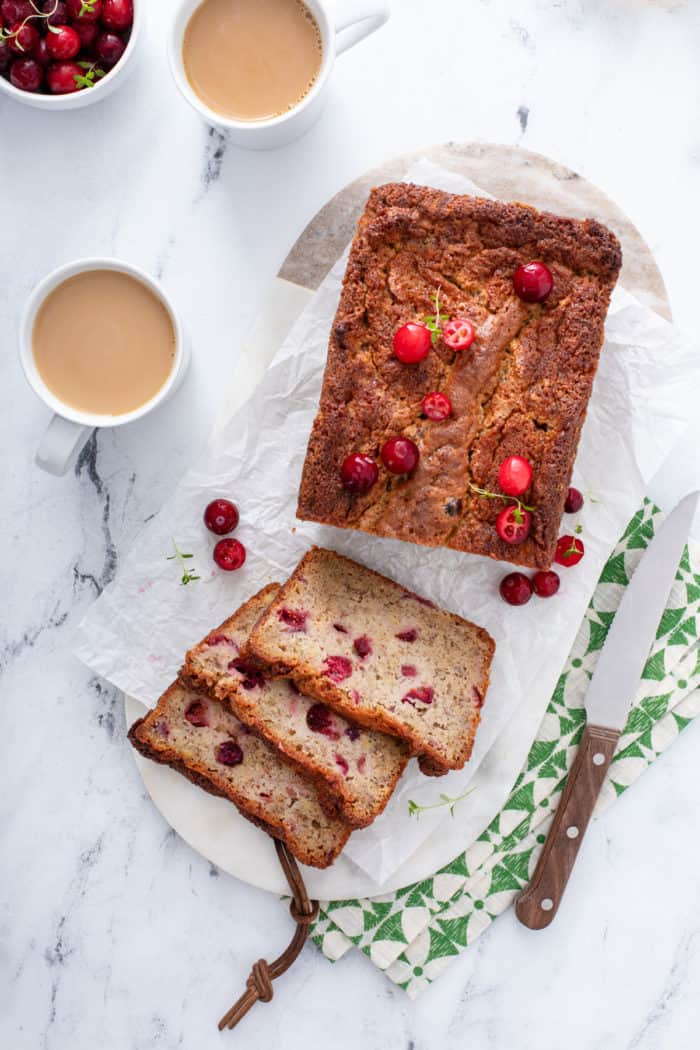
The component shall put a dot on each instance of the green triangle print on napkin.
(414, 933)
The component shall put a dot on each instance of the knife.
(610, 694)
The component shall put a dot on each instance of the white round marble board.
(212, 826)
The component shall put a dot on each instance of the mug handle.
(356, 21)
(59, 444)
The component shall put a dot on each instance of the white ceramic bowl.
(87, 96)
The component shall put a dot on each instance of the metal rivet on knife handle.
(539, 902)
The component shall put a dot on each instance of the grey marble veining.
(113, 933)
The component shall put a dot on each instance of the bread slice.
(200, 738)
(355, 769)
(380, 655)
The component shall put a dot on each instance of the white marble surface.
(112, 932)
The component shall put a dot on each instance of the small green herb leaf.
(187, 576)
(414, 810)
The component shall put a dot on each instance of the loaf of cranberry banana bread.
(200, 738)
(355, 769)
(378, 654)
(518, 382)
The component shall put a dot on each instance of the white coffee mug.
(70, 427)
(340, 30)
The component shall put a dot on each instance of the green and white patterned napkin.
(413, 933)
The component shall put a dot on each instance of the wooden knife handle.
(539, 902)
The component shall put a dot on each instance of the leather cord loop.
(303, 911)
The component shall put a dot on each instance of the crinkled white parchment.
(137, 632)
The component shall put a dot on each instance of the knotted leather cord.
(303, 911)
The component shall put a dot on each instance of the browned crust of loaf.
(324, 689)
(256, 814)
(332, 794)
(535, 371)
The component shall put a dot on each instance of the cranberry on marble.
(574, 501)
(569, 551)
(221, 516)
(545, 584)
(515, 588)
(229, 555)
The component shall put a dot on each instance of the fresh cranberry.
(574, 501)
(117, 14)
(359, 473)
(320, 720)
(41, 52)
(412, 343)
(221, 516)
(293, 619)
(408, 636)
(64, 43)
(197, 714)
(109, 48)
(362, 646)
(26, 74)
(229, 555)
(88, 33)
(400, 455)
(16, 11)
(338, 668)
(459, 334)
(569, 552)
(515, 588)
(89, 11)
(513, 524)
(56, 12)
(436, 406)
(229, 753)
(409, 671)
(533, 282)
(252, 678)
(352, 733)
(61, 78)
(339, 628)
(24, 38)
(423, 693)
(514, 476)
(545, 584)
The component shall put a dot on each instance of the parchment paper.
(136, 634)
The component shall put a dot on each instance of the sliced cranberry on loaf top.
(380, 654)
(200, 738)
(356, 769)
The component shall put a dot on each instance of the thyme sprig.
(187, 575)
(415, 810)
(434, 322)
(517, 504)
(8, 34)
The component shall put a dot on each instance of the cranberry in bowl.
(44, 78)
